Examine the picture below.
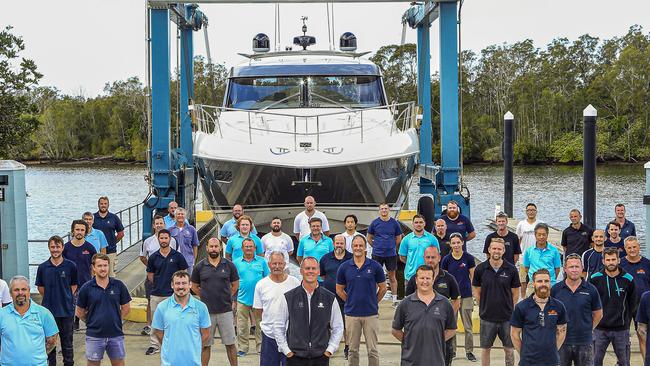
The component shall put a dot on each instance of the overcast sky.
(79, 45)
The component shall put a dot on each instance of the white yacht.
(297, 123)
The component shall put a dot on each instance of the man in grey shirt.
(423, 322)
(216, 281)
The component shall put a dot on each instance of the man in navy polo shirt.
(28, 330)
(643, 318)
(614, 238)
(458, 223)
(81, 252)
(112, 227)
(627, 227)
(592, 259)
(361, 283)
(385, 235)
(56, 279)
(539, 324)
(639, 267)
(103, 302)
(577, 237)
(187, 239)
(161, 266)
(510, 239)
(583, 305)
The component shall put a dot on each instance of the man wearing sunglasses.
(538, 324)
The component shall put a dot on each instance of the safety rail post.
(295, 133)
(361, 126)
(317, 133)
(250, 133)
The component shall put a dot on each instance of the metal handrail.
(209, 121)
(128, 230)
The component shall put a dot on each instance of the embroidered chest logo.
(640, 271)
(368, 271)
(552, 312)
(301, 304)
(442, 285)
(436, 311)
(504, 275)
(320, 305)
(62, 274)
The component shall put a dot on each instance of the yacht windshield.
(305, 92)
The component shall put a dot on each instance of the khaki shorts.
(523, 275)
(225, 323)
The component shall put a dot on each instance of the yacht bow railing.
(207, 119)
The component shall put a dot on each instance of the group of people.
(243, 286)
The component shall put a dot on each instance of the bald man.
(301, 222)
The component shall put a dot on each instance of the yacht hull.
(271, 191)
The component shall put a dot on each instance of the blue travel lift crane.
(171, 171)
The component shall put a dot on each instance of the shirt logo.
(504, 275)
(320, 305)
(112, 292)
(436, 311)
(584, 293)
(552, 312)
(171, 260)
(223, 270)
(85, 252)
(368, 271)
(301, 304)
(583, 233)
(62, 274)
(640, 271)
(462, 265)
(442, 285)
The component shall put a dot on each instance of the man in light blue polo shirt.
(412, 247)
(28, 330)
(182, 323)
(316, 244)
(251, 268)
(94, 236)
(542, 255)
(229, 228)
(234, 244)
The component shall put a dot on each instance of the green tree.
(18, 76)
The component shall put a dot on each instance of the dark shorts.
(490, 330)
(389, 262)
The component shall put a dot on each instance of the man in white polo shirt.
(301, 222)
(277, 241)
(267, 291)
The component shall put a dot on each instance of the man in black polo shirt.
(56, 279)
(582, 301)
(577, 237)
(445, 284)
(103, 302)
(539, 324)
(496, 284)
(424, 322)
(216, 281)
(510, 240)
(440, 232)
(161, 267)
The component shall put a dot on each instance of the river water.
(59, 194)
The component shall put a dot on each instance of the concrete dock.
(132, 272)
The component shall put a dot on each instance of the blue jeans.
(582, 355)
(620, 340)
(269, 355)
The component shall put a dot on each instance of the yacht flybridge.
(305, 122)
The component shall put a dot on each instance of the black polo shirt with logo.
(163, 269)
(444, 284)
(496, 290)
(216, 284)
(576, 240)
(512, 245)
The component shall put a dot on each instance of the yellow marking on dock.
(138, 313)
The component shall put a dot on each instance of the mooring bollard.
(508, 160)
(589, 166)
